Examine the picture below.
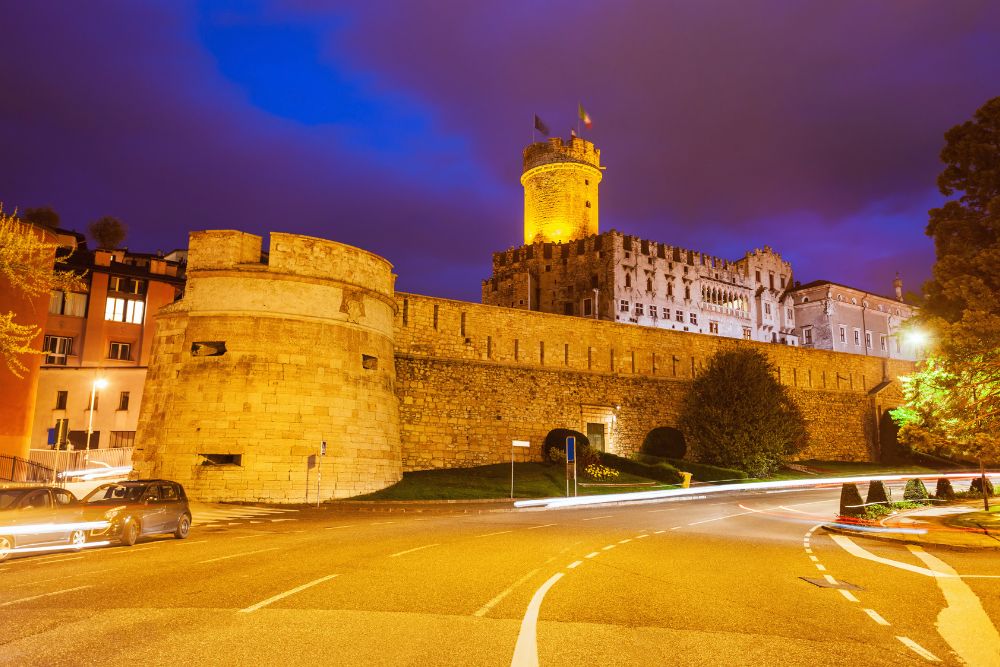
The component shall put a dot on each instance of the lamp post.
(99, 383)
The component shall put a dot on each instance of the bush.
(557, 439)
(915, 491)
(944, 490)
(737, 415)
(700, 471)
(600, 472)
(878, 494)
(977, 488)
(851, 503)
(659, 471)
(873, 512)
(665, 442)
(585, 456)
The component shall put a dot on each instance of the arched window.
(649, 284)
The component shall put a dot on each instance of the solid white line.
(918, 649)
(482, 611)
(244, 553)
(42, 595)
(277, 520)
(526, 649)
(876, 617)
(720, 518)
(574, 564)
(595, 518)
(963, 623)
(279, 596)
(499, 532)
(853, 549)
(410, 551)
(542, 526)
(180, 543)
(592, 554)
(848, 594)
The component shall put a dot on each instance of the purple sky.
(812, 127)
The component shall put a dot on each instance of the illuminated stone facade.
(560, 190)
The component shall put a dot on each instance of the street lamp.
(99, 383)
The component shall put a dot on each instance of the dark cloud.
(813, 127)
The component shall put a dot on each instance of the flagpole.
(532, 129)
(579, 106)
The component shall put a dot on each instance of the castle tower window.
(649, 284)
(628, 280)
(670, 288)
(593, 281)
(679, 316)
(588, 204)
(857, 338)
(882, 342)
(693, 318)
(782, 282)
(757, 275)
(368, 362)
(868, 340)
(623, 306)
(639, 309)
(687, 292)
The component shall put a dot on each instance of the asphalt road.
(715, 581)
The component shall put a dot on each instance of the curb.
(905, 540)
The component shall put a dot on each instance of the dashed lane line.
(542, 526)
(482, 611)
(592, 554)
(720, 518)
(60, 578)
(609, 547)
(918, 649)
(346, 525)
(875, 616)
(499, 532)
(574, 564)
(243, 553)
(410, 551)
(280, 596)
(848, 595)
(595, 518)
(43, 595)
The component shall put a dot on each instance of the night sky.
(812, 127)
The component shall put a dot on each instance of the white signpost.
(513, 444)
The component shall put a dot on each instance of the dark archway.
(888, 442)
(557, 438)
(666, 442)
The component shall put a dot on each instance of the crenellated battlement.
(556, 150)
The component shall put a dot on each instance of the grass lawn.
(531, 480)
(846, 469)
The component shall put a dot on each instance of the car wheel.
(6, 547)
(183, 527)
(130, 531)
(77, 539)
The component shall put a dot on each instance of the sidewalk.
(957, 526)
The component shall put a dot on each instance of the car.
(138, 507)
(38, 519)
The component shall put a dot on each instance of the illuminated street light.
(99, 383)
(916, 337)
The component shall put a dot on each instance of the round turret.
(560, 190)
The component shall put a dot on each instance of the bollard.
(686, 481)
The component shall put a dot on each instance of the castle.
(299, 373)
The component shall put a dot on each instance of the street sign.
(570, 448)
(521, 443)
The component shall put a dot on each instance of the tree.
(107, 232)
(43, 215)
(736, 414)
(953, 400)
(28, 266)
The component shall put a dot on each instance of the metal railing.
(79, 459)
(16, 469)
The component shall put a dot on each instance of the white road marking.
(720, 518)
(410, 551)
(60, 578)
(639, 537)
(526, 649)
(829, 579)
(814, 559)
(346, 525)
(279, 596)
(850, 547)
(277, 520)
(482, 611)
(609, 547)
(574, 564)
(963, 623)
(659, 531)
(243, 553)
(595, 518)
(625, 541)
(542, 526)
(669, 509)
(42, 595)
(808, 550)
(592, 554)
(382, 523)
(674, 528)
(877, 617)
(181, 543)
(789, 509)
(499, 532)
(848, 594)
(820, 567)
(247, 537)
(918, 649)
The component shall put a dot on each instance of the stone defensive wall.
(265, 358)
(471, 378)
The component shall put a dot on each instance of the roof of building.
(819, 283)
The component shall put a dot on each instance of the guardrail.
(16, 469)
(112, 457)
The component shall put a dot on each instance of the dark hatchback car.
(39, 519)
(136, 508)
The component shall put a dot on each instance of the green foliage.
(585, 455)
(873, 512)
(658, 471)
(944, 490)
(701, 472)
(107, 232)
(851, 503)
(953, 403)
(601, 473)
(737, 415)
(976, 489)
(43, 215)
(878, 493)
(915, 491)
(556, 438)
(665, 442)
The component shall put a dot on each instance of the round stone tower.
(266, 358)
(560, 190)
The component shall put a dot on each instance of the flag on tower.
(540, 126)
(585, 117)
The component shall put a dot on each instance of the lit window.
(68, 303)
(124, 310)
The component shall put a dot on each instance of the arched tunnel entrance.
(665, 441)
(889, 450)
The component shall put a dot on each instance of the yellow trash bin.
(686, 481)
